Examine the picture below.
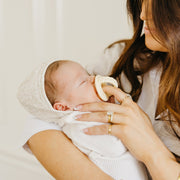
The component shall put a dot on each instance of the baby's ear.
(60, 107)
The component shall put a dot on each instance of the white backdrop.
(32, 31)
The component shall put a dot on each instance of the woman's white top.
(147, 101)
(148, 97)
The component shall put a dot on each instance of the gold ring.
(127, 96)
(110, 129)
(110, 116)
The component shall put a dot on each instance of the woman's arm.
(62, 159)
(163, 165)
(134, 128)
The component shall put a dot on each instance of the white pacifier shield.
(104, 80)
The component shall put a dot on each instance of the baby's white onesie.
(106, 151)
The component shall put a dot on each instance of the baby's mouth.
(111, 99)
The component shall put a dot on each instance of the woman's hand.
(133, 127)
(130, 124)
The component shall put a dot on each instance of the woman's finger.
(120, 96)
(98, 106)
(97, 130)
(103, 117)
(105, 129)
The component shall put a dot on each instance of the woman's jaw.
(151, 39)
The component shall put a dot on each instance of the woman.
(145, 61)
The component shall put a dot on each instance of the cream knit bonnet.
(31, 94)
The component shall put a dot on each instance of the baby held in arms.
(51, 93)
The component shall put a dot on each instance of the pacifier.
(101, 81)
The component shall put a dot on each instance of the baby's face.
(75, 86)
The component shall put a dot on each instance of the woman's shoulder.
(106, 60)
(114, 51)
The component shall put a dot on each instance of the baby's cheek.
(73, 98)
(94, 96)
(84, 95)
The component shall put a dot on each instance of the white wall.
(32, 31)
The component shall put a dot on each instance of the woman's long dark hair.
(166, 18)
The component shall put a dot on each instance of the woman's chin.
(153, 44)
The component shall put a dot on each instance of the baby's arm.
(62, 159)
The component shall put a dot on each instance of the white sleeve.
(33, 126)
(104, 64)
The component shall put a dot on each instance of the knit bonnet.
(31, 94)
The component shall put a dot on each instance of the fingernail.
(77, 117)
(77, 108)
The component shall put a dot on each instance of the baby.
(51, 93)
